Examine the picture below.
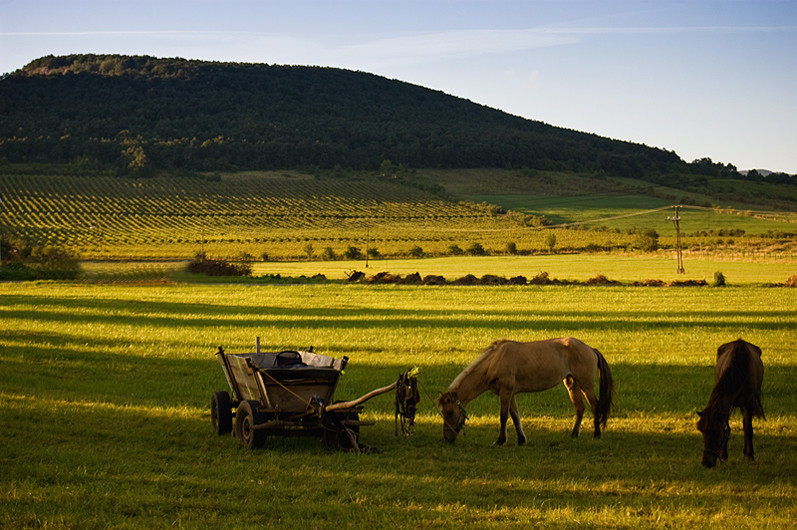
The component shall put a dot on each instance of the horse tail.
(605, 390)
(758, 408)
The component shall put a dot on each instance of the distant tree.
(454, 250)
(353, 253)
(328, 254)
(476, 249)
(386, 168)
(550, 241)
(416, 252)
(309, 251)
(647, 240)
(137, 161)
(511, 248)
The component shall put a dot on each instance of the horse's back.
(744, 356)
(742, 352)
(564, 347)
(549, 359)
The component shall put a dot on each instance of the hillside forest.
(141, 115)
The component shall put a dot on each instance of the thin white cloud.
(458, 42)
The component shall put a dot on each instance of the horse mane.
(488, 351)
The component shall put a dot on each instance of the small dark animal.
(738, 375)
(507, 368)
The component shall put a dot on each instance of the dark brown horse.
(507, 368)
(738, 376)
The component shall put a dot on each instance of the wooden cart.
(290, 393)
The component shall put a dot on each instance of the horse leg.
(747, 424)
(724, 448)
(589, 394)
(506, 399)
(513, 413)
(575, 396)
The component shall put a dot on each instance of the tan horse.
(738, 375)
(507, 368)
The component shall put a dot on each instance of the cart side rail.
(225, 367)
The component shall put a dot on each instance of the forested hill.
(143, 114)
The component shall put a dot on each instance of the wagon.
(290, 393)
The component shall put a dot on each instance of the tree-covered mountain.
(143, 114)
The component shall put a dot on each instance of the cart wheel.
(246, 418)
(339, 435)
(221, 413)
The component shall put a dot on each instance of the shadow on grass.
(138, 461)
(50, 310)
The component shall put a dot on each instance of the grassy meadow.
(571, 267)
(105, 392)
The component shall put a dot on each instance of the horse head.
(454, 415)
(715, 437)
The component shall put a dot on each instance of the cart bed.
(283, 382)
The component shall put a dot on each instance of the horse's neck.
(721, 403)
(469, 387)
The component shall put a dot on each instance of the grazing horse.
(738, 376)
(507, 367)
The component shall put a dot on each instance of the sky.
(703, 78)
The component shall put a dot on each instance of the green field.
(105, 392)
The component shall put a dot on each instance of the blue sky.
(708, 78)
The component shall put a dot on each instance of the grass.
(577, 267)
(105, 420)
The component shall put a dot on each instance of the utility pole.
(679, 255)
(367, 242)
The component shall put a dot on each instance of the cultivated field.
(292, 216)
(105, 392)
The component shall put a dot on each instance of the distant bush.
(416, 252)
(49, 262)
(476, 249)
(719, 279)
(647, 241)
(353, 253)
(16, 271)
(550, 241)
(649, 283)
(454, 250)
(328, 254)
(600, 279)
(55, 263)
(217, 267)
